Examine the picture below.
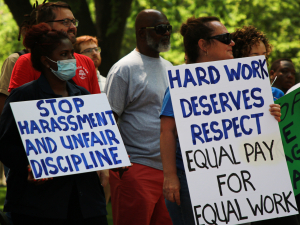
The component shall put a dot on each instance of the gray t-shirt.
(135, 88)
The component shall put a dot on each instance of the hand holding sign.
(69, 135)
(31, 179)
(230, 144)
(275, 111)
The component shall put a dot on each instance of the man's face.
(159, 42)
(90, 48)
(63, 13)
(285, 76)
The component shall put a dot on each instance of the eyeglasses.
(160, 29)
(67, 22)
(90, 50)
(224, 38)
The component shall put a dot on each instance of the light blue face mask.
(66, 69)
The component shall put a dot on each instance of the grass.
(2, 197)
(3, 193)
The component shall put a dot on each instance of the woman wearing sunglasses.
(251, 42)
(73, 199)
(205, 39)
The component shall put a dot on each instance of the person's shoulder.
(277, 92)
(167, 96)
(131, 59)
(24, 57)
(82, 58)
(83, 91)
(24, 60)
(166, 62)
(124, 65)
(167, 107)
(13, 57)
(9, 63)
(27, 86)
(24, 92)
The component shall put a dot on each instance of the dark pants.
(19, 219)
(74, 216)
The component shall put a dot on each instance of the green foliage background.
(278, 19)
(9, 31)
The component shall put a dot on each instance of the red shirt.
(86, 76)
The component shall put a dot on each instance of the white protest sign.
(64, 136)
(231, 145)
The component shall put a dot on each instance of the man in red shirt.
(60, 17)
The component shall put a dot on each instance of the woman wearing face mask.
(205, 39)
(251, 42)
(73, 199)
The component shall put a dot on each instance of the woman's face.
(63, 51)
(218, 50)
(258, 49)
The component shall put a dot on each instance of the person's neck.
(147, 51)
(58, 86)
(202, 59)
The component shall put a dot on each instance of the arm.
(5, 76)
(103, 176)
(168, 135)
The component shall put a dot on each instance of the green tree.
(8, 33)
(278, 19)
(108, 24)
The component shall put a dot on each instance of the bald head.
(148, 18)
(153, 31)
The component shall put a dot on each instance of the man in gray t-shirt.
(135, 89)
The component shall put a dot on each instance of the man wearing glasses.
(60, 17)
(88, 46)
(135, 88)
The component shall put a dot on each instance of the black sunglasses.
(224, 38)
(160, 29)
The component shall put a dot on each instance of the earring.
(206, 53)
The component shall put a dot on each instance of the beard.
(72, 35)
(96, 61)
(160, 46)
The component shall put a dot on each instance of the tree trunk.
(111, 17)
(19, 8)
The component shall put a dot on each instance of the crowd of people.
(56, 64)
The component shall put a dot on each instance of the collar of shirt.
(45, 87)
